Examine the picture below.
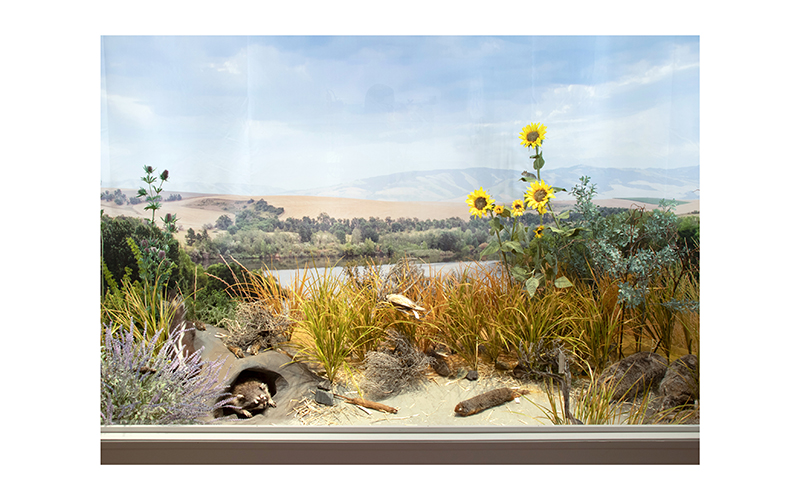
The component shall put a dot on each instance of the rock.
(437, 350)
(633, 375)
(472, 375)
(680, 385)
(325, 385)
(440, 366)
(288, 382)
(502, 365)
(439, 362)
(324, 397)
(520, 372)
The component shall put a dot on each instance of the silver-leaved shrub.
(142, 384)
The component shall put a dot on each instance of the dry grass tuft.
(255, 327)
(398, 365)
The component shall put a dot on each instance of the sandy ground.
(196, 210)
(432, 403)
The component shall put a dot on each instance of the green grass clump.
(335, 323)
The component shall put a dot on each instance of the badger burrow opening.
(255, 390)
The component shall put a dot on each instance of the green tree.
(341, 235)
(305, 232)
(223, 222)
(355, 237)
(370, 233)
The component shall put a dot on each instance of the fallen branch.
(487, 400)
(368, 404)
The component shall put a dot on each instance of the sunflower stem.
(554, 217)
(503, 253)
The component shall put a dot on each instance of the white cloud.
(650, 75)
(230, 66)
(281, 117)
(130, 108)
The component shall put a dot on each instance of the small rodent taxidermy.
(487, 400)
(250, 395)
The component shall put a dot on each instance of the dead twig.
(368, 404)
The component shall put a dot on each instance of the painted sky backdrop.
(297, 112)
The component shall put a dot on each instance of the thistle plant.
(142, 384)
(154, 266)
(152, 195)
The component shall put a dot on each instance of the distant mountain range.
(505, 185)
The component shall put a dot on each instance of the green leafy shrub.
(115, 251)
(119, 258)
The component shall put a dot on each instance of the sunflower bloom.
(538, 194)
(479, 203)
(532, 135)
(498, 209)
(517, 208)
(539, 231)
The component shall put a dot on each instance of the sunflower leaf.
(511, 245)
(563, 282)
(519, 273)
(491, 248)
(563, 215)
(531, 285)
(529, 178)
(538, 163)
(568, 232)
(496, 225)
(557, 189)
(522, 236)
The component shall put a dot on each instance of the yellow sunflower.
(498, 209)
(532, 135)
(538, 194)
(517, 208)
(479, 202)
(539, 231)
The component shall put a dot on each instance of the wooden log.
(487, 400)
(368, 404)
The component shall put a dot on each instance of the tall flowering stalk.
(480, 204)
(520, 242)
(152, 195)
(154, 266)
(538, 196)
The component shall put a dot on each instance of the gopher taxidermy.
(487, 400)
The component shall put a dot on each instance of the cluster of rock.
(676, 384)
